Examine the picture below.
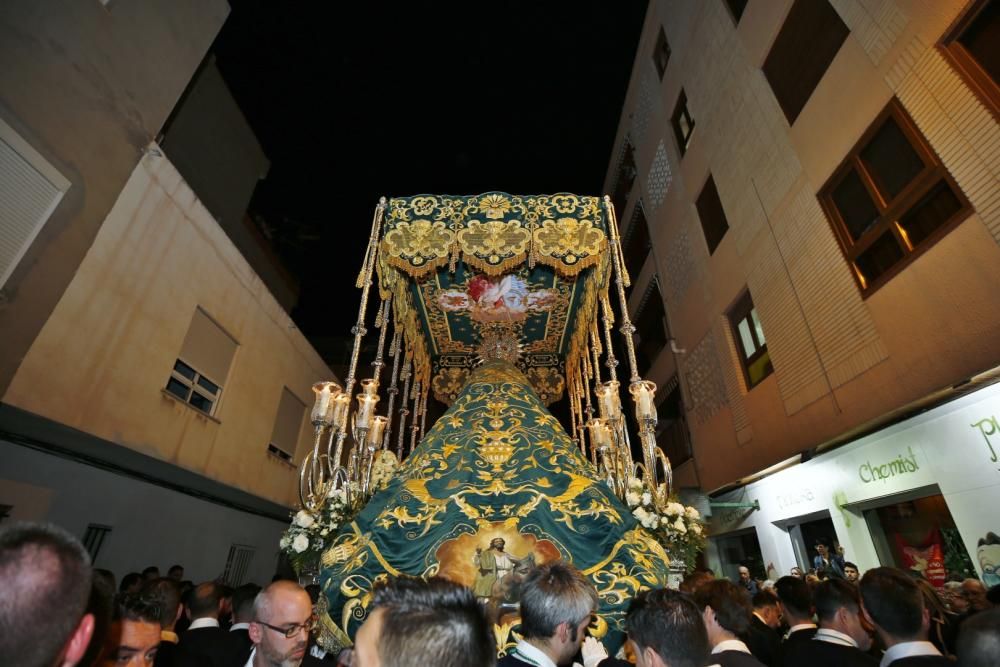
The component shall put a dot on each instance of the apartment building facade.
(808, 194)
(153, 390)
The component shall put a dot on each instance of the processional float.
(497, 304)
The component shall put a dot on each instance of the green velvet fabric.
(496, 465)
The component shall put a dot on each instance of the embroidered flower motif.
(494, 206)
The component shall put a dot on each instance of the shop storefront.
(919, 495)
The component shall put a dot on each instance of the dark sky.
(352, 101)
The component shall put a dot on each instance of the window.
(237, 563)
(651, 329)
(94, 538)
(626, 177)
(682, 123)
(750, 341)
(636, 245)
(973, 47)
(661, 54)
(203, 364)
(30, 189)
(890, 199)
(736, 8)
(287, 426)
(802, 52)
(713, 217)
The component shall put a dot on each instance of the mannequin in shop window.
(827, 564)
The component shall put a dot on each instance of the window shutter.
(30, 189)
(208, 349)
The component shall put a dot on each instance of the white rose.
(676, 509)
(284, 542)
(647, 498)
(304, 519)
(696, 529)
(634, 484)
(640, 514)
(692, 513)
(324, 532)
(655, 522)
(300, 543)
(679, 526)
(632, 498)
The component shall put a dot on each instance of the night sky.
(353, 102)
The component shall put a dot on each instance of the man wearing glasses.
(283, 618)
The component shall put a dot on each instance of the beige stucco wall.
(103, 357)
(88, 87)
(840, 360)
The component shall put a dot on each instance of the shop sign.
(799, 497)
(988, 427)
(901, 465)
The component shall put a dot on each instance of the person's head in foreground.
(838, 607)
(45, 582)
(282, 620)
(796, 600)
(725, 609)
(666, 628)
(134, 636)
(424, 623)
(894, 604)
(767, 608)
(979, 640)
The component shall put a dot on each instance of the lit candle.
(339, 408)
(608, 400)
(600, 434)
(325, 393)
(643, 393)
(376, 431)
(366, 408)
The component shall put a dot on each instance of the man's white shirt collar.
(730, 645)
(761, 618)
(239, 626)
(797, 627)
(204, 623)
(533, 654)
(907, 649)
(834, 637)
(250, 659)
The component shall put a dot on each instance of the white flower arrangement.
(310, 532)
(383, 469)
(677, 527)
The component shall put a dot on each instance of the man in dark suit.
(842, 637)
(797, 610)
(894, 605)
(726, 612)
(979, 641)
(204, 640)
(763, 638)
(167, 596)
(556, 605)
(238, 642)
(667, 629)
(436, 623)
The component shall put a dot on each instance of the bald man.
(44, 587)
(282, 620)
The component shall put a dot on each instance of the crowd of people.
(58, 611)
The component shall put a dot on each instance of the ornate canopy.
(460, 269)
